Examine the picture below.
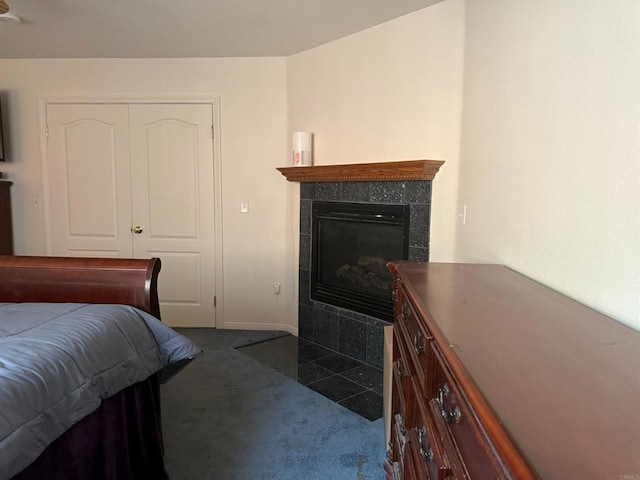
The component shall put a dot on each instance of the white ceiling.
(187, 28)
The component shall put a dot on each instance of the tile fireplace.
(401, 192)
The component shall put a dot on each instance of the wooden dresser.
(497, 376)
(6, 229)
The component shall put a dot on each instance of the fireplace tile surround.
(357, 335)
(350, 333)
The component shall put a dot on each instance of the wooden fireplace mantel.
(364, 172)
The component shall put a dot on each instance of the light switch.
(462, 213)
(244, 206)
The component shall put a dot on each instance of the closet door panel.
(172, 202)
(89, 180)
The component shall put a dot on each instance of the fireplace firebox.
(351, 245)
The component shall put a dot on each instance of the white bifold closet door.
(136, 181)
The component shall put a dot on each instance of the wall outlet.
(276, 288)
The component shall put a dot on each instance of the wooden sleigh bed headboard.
(81, 280)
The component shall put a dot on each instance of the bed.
(82, 355)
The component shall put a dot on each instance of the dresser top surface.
(562, 379)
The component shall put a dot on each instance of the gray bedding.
(58, 361)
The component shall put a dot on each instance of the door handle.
(137, 229)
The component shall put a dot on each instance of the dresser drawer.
(417, 341)
(455, 419)
(427, 446)
(399, 392)
(410, 466)
(420, 457)
(402, 370)
(400, 439)
(392, 471)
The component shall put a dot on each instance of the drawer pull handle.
(401, 370)
(451, 417)
(448, 417)
(442, 395)
(428, 454)
(456, 415)
(400, 424)
(401, 432)
(418, 343)
(445, 390)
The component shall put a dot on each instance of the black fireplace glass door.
(352, 244)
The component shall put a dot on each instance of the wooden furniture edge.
(81, 280)
(6, 222)
(363, 172)
(484, 417)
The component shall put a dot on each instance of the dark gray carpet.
(228, 417)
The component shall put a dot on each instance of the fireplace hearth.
(351, 245)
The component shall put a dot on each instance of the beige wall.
(253, 142)
(392, 92)
(550, 165)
